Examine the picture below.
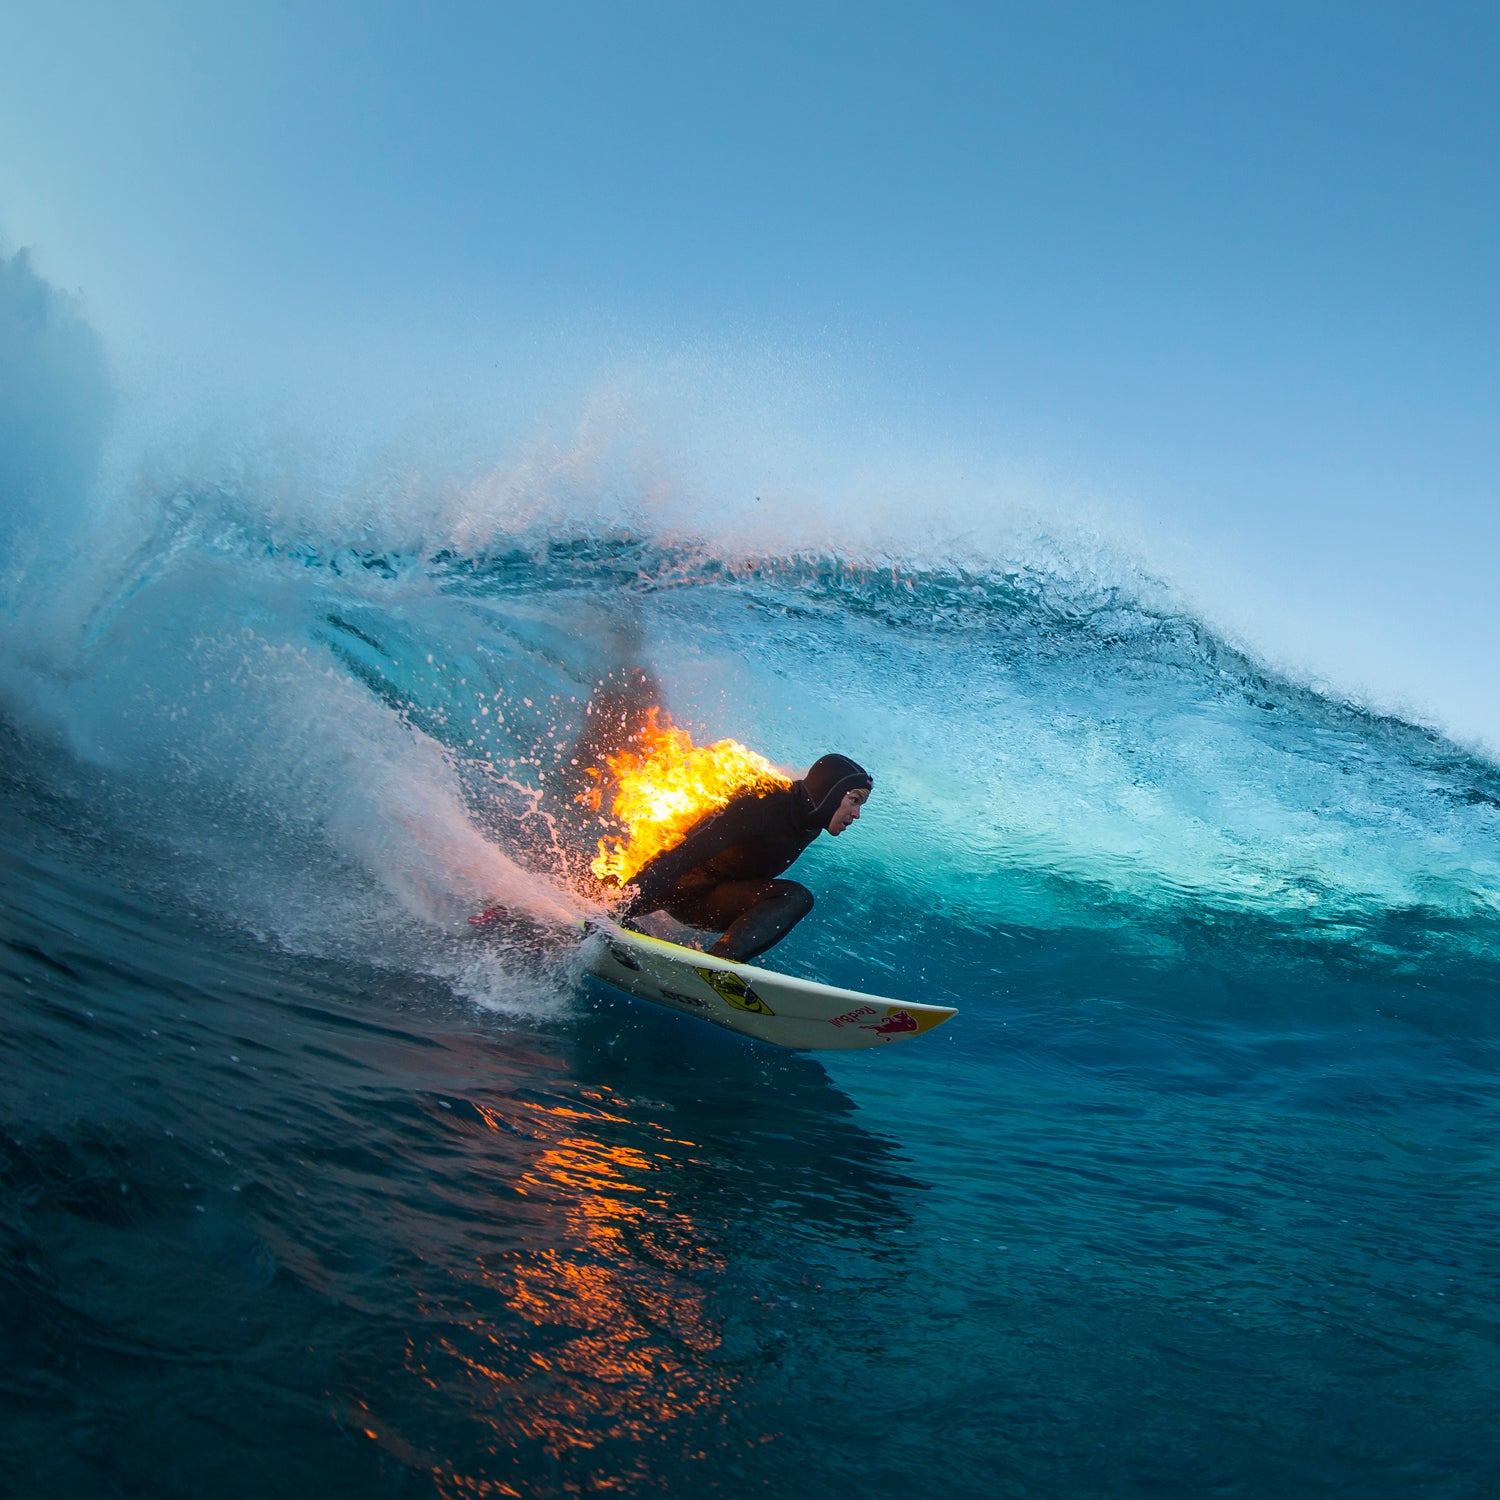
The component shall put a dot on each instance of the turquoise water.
(309, 1190)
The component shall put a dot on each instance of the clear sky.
(1227, 269)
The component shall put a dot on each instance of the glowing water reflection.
(620, 1346)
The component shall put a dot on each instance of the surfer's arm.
(707, 839)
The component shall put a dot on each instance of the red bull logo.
(896, 1022)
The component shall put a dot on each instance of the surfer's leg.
(765, 924)
(753, 915)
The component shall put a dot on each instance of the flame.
(664, 784)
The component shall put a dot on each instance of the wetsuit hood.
(828, 781)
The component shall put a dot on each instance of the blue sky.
(1227, 270)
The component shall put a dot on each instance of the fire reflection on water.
(621, 1350)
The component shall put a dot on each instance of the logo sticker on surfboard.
(733, 990)
(689, 1002)
(896, 1021)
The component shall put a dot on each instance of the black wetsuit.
(722, 876)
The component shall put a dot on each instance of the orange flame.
(664, 784)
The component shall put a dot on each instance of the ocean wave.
(386, 684)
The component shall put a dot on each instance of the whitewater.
(308, 1189)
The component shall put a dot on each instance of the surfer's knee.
(796, 900)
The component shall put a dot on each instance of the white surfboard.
(772, 1007)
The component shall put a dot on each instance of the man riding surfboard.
(722, 876)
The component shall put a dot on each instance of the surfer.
(722, 876)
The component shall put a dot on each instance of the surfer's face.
(848, 810)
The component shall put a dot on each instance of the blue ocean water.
(309, 1190)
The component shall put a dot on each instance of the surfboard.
(772, 1007)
